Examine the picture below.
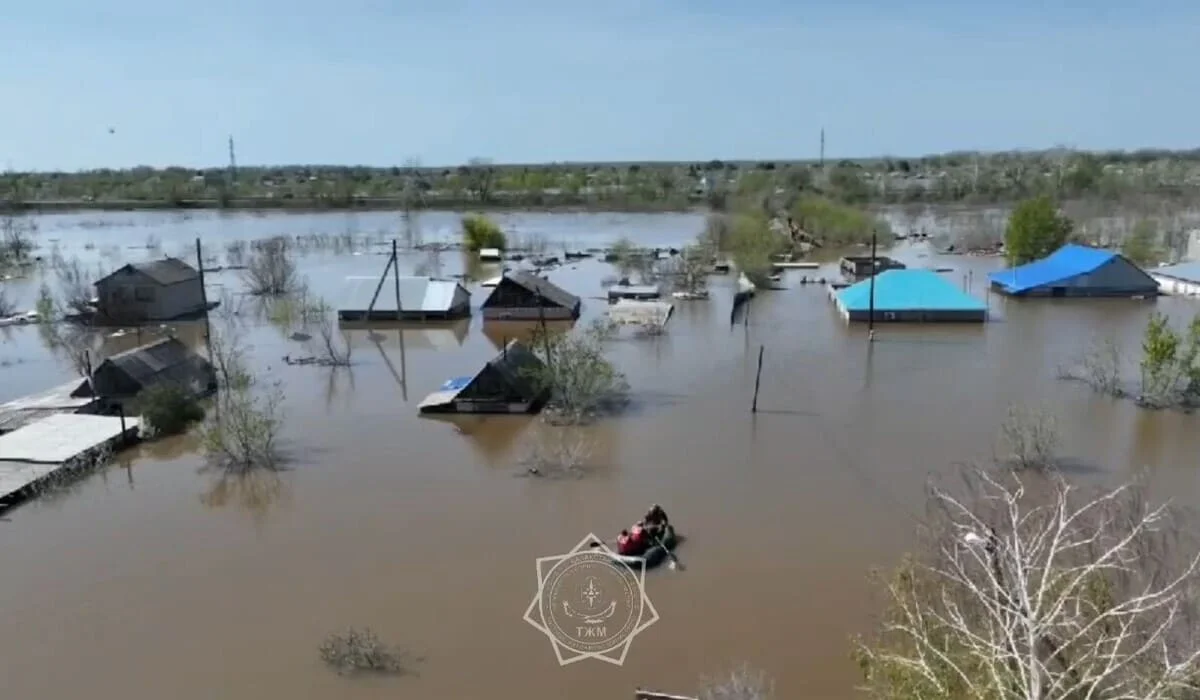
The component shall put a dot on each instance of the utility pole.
(871, 303)
(822, 161)
(232, 163)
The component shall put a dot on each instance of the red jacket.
(625, 545)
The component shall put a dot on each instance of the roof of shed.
(416, 294)
(1069, 261)
(1188, 271)
(166, 359)
(166, 272)
(545, 288)
(909, 290)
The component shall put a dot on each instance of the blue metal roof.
(1188, 271)
(909, 290)
(1068, 261)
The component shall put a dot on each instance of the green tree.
(1170, 375)
(1141, 246)
(1035, 230)
(481, 232)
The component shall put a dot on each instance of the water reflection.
(258, 493)
(501, 332)
(494, 438)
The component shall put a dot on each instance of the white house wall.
(1170, 285)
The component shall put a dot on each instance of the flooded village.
(789, 425)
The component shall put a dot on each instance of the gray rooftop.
(416, 294)
(1188, 271)
(544, 288)
(166, 272)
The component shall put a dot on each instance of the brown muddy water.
(152, 579)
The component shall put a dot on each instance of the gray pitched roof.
(166, 272)
(1188, 271)
(544, 288)
(165, 360)
(516, 363)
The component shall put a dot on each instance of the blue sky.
(377, 82)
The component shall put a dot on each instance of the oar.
(674, 564)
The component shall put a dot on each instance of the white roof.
(489, 252)
(60, 437)
(629, 311)
(416, 294)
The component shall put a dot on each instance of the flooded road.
(153, 579)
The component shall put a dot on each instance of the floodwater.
(153, 579)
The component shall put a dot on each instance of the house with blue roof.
(1076, 271)
(921, 296)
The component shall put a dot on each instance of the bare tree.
(18, 238)
(361, 650)
(1029, 438)
(742, 683)
(480, 176)
(241, 433)
(581, 381)
(74, 285)
(1045, 593)
(559, 451)
(271, 268)
(7, 307)
(331, 348)
(1100, 367)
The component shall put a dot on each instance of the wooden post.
(121, 412)
(378, 288)
(396, 275)
(757, 379)
(203, 300)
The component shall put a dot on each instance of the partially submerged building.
(421, 299)
(921, 296)
(120, 378)
(523, 296)
(490, 255)
(634, 291)
(159, 290)
(864, 265)
(508, 383)
(651, 314)
(1076, 271)
(1182, 279)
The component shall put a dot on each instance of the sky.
(380, 82)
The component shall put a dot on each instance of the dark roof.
(166, 272)
(165, 360)
(544, 288)
(517, 365)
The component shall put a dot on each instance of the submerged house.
(120, 378)
(522, 296)
(421, 299)
(641, 292)
(159, 290)
(921, 296)
(1182, 279)
(865, 265)
(506, 384)
(1076, 271)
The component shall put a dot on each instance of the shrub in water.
(168, 409)
(481, 232)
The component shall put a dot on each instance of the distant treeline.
(949, 178)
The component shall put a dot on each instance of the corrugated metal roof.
(416, 294)
(641, 312)
(165, 360)
(1188, 271)
(908, 290)
(1068, 261)
(512, 365)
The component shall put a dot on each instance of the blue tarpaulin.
(456, 384)
(1063, 264)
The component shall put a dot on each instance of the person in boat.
(625, 544)
(656, 522)
(639, 542)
